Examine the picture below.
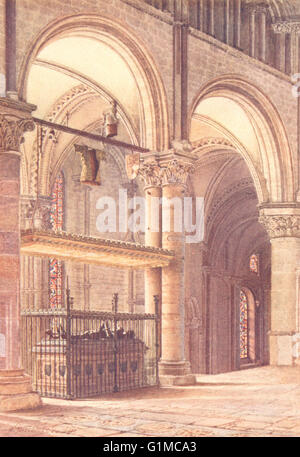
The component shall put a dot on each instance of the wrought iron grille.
(75, 354)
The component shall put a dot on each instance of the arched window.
(57, 221)
(244, 327)
(254, 263)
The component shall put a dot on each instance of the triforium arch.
(272, 166)
(121, 40)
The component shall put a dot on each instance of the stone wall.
(2, 36)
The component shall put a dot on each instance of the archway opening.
(228, 139)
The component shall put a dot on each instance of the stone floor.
(260, 402)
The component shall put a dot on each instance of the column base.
(16, 391)
(175, 374)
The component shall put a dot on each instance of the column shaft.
(15, 386)
(152, 238)
(252, 33)
(10, 53)
(237, 23)
(174, 369)
(226, 20)
(280, 51)
(9, 261)
(285, 256)
(262, 36)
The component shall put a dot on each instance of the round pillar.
(173, 368)
(284, 333)
(152, 238)
(15, 386)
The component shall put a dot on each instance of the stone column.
(284, 232)
(173, 368)
(226, 21)
(211, 14)
(262, 10)
(251, 30)
(15, 386)
(280, 52)
(131, 188)
(10, 49)
(237, 24)
(150, 172)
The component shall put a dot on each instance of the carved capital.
(286, 27)
(176, 172)
(150, 172)
(281, 225)
(12, 131)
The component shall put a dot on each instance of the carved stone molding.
(12, 131)
(286, 27)
(212, 141)
(63, 102)
(176, 172)
(220, 200)
(281, 226)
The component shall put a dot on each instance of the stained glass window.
(243, 325)
(57, 203)
(57, 220)
(253, 263)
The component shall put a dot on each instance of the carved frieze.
(286, 27)
(212, 141)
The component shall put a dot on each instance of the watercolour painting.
(149, 219)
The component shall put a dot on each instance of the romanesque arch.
(272, 166)
(123, 42)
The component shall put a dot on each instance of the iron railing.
(76, 354)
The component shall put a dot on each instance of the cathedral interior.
(193, 100)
